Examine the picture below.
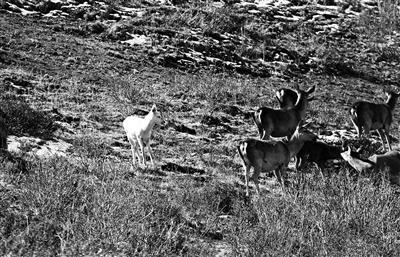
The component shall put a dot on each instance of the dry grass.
(93, 202)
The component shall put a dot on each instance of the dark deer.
(266, 156)
(282, 122)
(372, 116)
(318, 153)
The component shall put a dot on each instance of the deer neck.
(391, 102)
(301, 106)
(149, 122)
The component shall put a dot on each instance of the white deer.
(370, 116)
(271, 155)
(138, 130)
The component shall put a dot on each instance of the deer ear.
(279, 95)
(358, 150)
(386, 92)
(154, 108)
(346, 154)
(343, 144)
(310, 90)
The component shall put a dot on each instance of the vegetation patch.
(72, 71)
(22, 119)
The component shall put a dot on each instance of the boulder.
(47, 6)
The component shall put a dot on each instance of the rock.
(211, 120)
(173, 167)
(37, 147)
(229, 109)
(288, 19)
(140, 112)
(4, 5)
(138, 40)
(17, 84)
(96, 27)
(91, 16)
(47, 6)
(184, 129)
(12, 163)
(119, 31)
(179, 127)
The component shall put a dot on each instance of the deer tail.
(257, 120)
(242, 149)
(353, 112)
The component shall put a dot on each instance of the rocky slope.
(71, 71)
(254, 39)
(177, 36)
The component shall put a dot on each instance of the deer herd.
(287, 122)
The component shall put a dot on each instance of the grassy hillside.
(71, 72)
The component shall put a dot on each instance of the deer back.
(371, 115)
(263, 155)
(279, 122)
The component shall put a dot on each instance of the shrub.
(22, 119)
(339, 217)
(79, 208)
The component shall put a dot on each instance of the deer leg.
(380, 132)
(254, 177)
(387, 136)
(133, 149)
(284, 174)
(278, 174)
(256, 182)
(256, 174)
(366, 131)
(141, 145)
(297, 162)
(246, 177)
(265, 135)
(261, 132)
(134, 154)
(151, 154)
(320, 167)
(150, 151)
(358, 129)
